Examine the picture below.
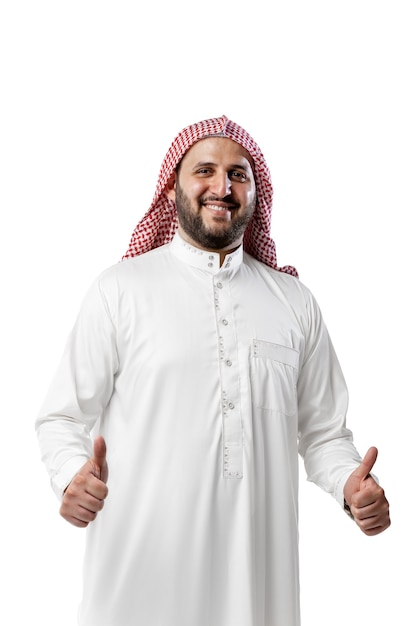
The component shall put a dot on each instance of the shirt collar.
(203, 260)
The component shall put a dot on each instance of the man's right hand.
(84, 497)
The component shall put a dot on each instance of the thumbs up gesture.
(84, 497)
(366, 499)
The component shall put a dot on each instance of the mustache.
(226, 199)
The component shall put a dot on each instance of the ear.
(170, 188)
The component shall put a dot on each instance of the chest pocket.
(274, 372)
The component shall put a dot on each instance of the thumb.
(367, 464)
(99, 458)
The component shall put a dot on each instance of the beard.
(210, 238)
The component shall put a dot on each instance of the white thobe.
(205, 382)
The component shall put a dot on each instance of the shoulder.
(287, 284)
(126, 277)
(290, 291)
(143, 265)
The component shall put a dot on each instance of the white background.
(92, 94)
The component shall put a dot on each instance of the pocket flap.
(275, 352)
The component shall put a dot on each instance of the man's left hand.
(366, 499)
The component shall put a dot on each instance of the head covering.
(159, 224)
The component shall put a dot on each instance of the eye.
(203, 171)
(238, 175)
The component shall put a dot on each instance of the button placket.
(232, 452)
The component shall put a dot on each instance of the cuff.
(62, 478)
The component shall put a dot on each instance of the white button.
(225, 322)
(220, 285)
(228, 363)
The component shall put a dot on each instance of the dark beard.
(209, 239)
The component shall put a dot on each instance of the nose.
(220, 184)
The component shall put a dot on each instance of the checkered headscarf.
(160, 222)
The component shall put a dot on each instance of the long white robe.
(206, 383)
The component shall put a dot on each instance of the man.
(201, 370)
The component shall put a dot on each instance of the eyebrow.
(233, 166)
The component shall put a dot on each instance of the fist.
(366, 499)
(85, 495)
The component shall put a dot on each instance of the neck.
(223, 252)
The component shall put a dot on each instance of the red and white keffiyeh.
(159, 224)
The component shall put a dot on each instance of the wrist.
(347, 510)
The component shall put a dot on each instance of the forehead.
(218, 150)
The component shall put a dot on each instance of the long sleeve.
(324, 441)
(79, 392)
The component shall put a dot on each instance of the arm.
(325, 443)
(78, 397)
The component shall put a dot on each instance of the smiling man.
(196, 373)
(216, 196)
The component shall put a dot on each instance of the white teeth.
(213, 207)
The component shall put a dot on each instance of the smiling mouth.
(219, 213)
(219, 206)
(215, 207)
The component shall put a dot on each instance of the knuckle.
(78, 479)
(80, 523)
(380, 492)
(91, 516)
(75, 485)
(100, 505)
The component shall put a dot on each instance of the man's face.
(215, 194)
